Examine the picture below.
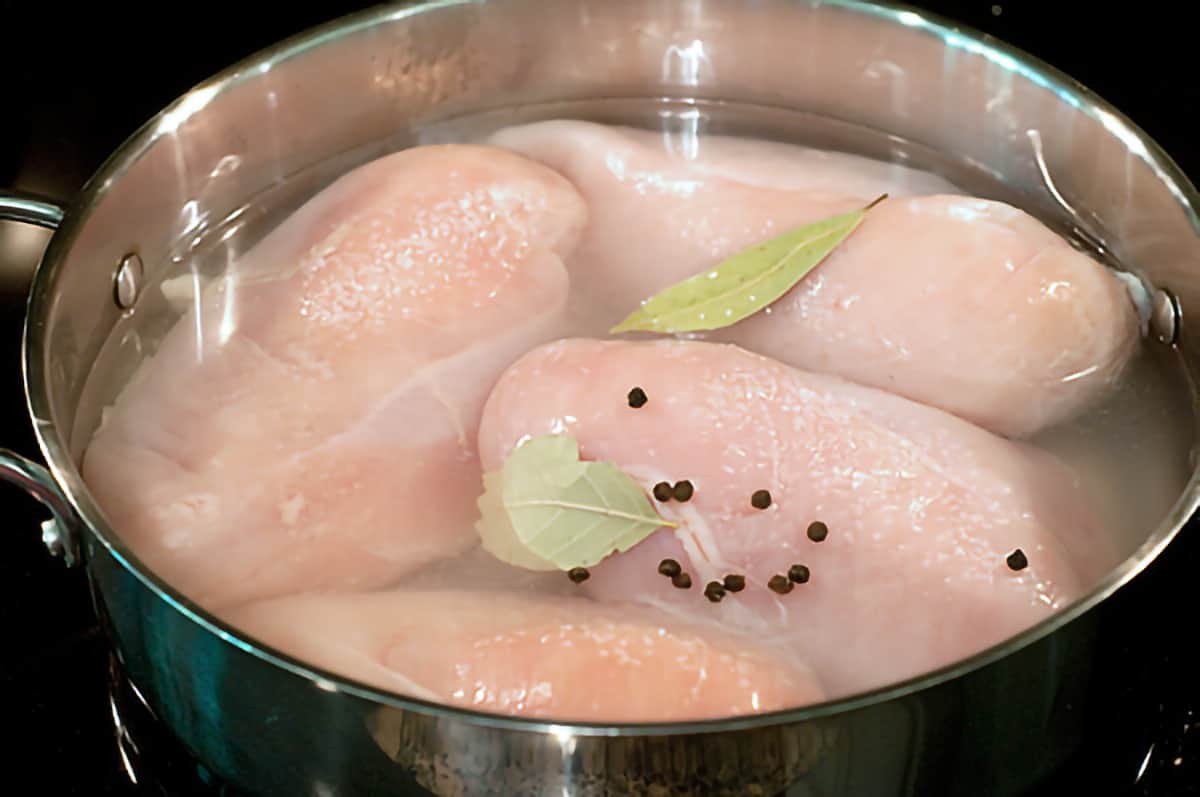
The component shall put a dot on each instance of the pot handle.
(58, 533)
(18, 206)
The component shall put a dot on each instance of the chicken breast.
(922, 508)
(300, 428)
(565, 659)
(965, 304)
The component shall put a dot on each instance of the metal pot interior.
(190, 181)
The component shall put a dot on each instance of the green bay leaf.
(745, 283)
(546, 510)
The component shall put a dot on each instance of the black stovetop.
(76, 80)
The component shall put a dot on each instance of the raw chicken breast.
(922, 507)
(966, 304)
(312, 424)
(566, 659)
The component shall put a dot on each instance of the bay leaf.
(544, 509)
(745, 283)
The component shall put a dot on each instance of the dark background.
(75, 80)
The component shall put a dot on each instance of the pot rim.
(56, 451)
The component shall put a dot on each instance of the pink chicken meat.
(567, 659)
(965, 304)
(299, 428)
(922, 508)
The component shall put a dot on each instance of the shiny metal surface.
(271, 723)
(60, 533)
(127, 283)
(30, 210)
(1166, 319)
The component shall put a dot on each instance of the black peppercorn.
(669, 568)
(683, 490)
(662, 491)
(714, 591)
(761, 499)
(798, 574)
(818, 531)
(578, 574)
(682, 581)
(1017, 560)
(734, 583)
(637, 398)
(780, 584)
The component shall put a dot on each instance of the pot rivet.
(128, 281)
(1166, 317)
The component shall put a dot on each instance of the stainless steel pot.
(991, 725)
